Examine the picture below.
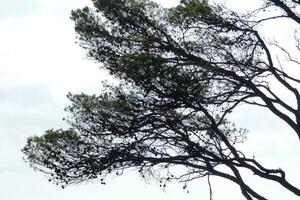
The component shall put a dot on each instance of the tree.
(182, 70)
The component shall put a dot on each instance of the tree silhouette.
(182, 70)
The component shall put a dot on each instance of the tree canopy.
(181, 70)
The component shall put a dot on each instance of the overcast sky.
(40, 63)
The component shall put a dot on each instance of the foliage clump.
(182, 70)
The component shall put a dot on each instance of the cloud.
(21, 100)
(17, 8)
(24, 96)
(41, 48)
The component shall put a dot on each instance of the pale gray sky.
(40, 63)
(17, 8)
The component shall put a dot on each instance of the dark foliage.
(182, 71)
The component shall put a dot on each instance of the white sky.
(40, 63)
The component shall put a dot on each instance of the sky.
(40, 63)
